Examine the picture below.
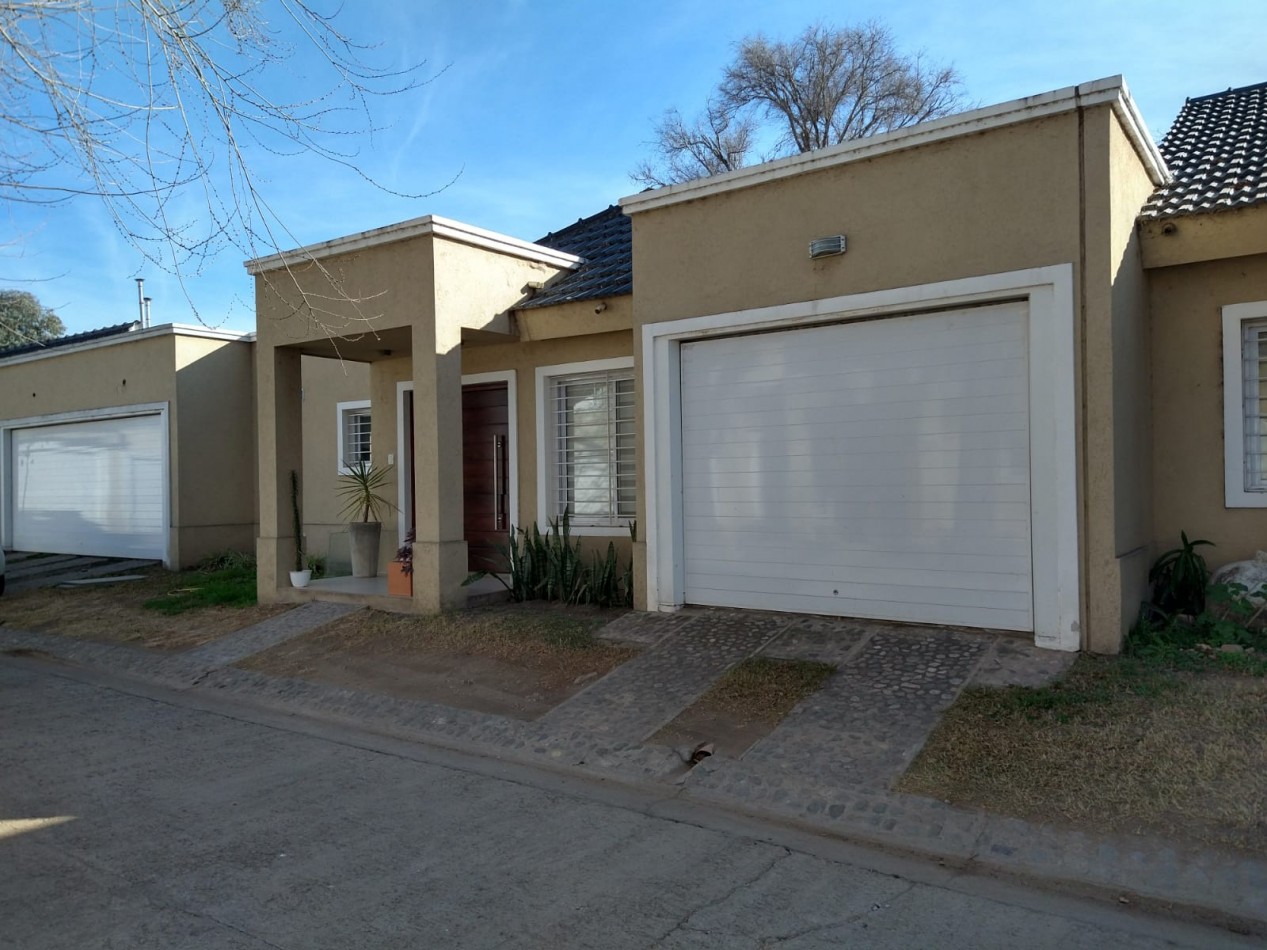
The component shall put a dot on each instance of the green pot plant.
(359, 488)
(301, 575)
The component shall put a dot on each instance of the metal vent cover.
(827, 246)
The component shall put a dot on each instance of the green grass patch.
(230, 586)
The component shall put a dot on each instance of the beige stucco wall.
(1002, 200)
(326, 383)
(1187, 399)
(1115, 422)
(213, 445)
(206, 385)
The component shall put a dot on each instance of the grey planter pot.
(363, 536)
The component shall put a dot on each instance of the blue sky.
(546, 106)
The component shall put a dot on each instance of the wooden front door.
(486, 473)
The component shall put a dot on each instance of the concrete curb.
(1212, 886)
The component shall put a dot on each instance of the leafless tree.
(716, 142)
(159, 107)
(827, 86)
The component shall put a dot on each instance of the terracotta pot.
(399, 584)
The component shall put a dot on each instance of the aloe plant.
(1179, 578)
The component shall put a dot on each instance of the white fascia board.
(1111, 91)
(131, 336)
(430, 224)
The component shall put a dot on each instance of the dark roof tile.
(1217, 151)
(605, 243)
(85, 337)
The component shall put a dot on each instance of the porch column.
(279, 424)
(440, 549)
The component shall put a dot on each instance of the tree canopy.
(23, 319)
(826, 86)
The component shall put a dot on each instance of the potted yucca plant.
(400, 572)
(301, 575)
(359, 488)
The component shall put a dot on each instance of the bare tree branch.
(718, 141)
(160, 108)
(826, 86)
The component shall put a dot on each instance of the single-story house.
(970, 372)
(976, 372)
(139, 442)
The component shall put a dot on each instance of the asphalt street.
(134, 817)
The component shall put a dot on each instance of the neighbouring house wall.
(120, 374)
(213, 503)
(1187, 393)
(326, 383)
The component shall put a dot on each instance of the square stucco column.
(440, 549)
(279, 408)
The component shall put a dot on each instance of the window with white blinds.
(354, 433)
(1254, 403)
(590, 418)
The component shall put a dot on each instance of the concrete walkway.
(830, 765)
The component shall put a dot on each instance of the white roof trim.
(1111, 91)
(417, 227)
(131, 336)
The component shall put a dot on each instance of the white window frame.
(342, 410)
(1235, 318)
(545, 441)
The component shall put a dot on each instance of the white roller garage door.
(871, 469)
(95, 487)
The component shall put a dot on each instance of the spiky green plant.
(359, 488)
(1179, 578)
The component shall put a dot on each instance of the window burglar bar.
(594, 463)
(1254, 348)
(356, 436)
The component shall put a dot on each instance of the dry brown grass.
(113, 613)
(556, 644)
(764, 690)
(1115, 747)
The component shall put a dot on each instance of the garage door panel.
(809, 487)
(95, 487)
(807, 451)
(930, 581)
(1003, 556)
(907, 612)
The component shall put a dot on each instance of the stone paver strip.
(32, 581)
(645, 627)
(230, 649)
(863, 728)
(636, 699)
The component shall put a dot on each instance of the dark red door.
(486, 473)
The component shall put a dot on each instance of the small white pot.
(300, 578)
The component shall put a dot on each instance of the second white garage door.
(96, 487)
(870, 469)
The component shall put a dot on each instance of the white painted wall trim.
(430, 224)
(7, 428)
(543, 375)
(509, 377)
(1234, 317)
(131, 336)
(1049, 294)
(1111, 91)
(339, 409)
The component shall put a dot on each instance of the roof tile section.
(1216, 151)
(86, 337)
(605, 242)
